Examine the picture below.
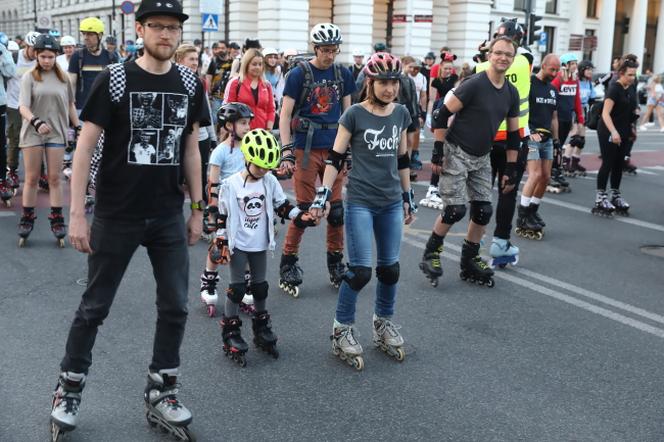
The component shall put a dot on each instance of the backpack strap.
(117, 82)
(307, 85)
(339, 79)
(80, 68)
(188, 79)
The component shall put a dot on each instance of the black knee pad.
(336, 216)
(454, 213)
(388, 275)
(259, 290)
(357, 277)
(235, 292)
(577, 141)
(480, 212)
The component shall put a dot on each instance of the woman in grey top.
(378, 201)
(46, 103)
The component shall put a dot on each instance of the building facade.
(594, 29)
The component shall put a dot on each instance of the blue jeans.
(361, 224)
(113, 243)
(215, 105)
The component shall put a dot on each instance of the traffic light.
(534, 30)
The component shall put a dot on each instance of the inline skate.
(621, 206)
(386, 336)
(603, 206)
(290, 275)
(346, 346)
(473, 268)
(336, 268)
(6, 193)
(209, 295)
(57, 221)
(12, 180)
(628, 167)
(536, 216)
(415, 162)
(567, 167)
(559, 181)
(163, 409)
(503, 252)
(577, 168)
(430, 264)
(66, 403)
(25, 226)
(264, 338)
(526, 226)
(234, 346)
(66, 169)
(432, 199)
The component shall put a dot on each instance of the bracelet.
(34, 121)
(39, 124)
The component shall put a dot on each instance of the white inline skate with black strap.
(66, 402)
(163, 409)
(386, 337)
(345, 345)
(432, 200)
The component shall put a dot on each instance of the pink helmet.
(383, 66)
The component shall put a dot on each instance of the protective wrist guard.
(403, 162)
(407, 197)
(323, 195)
(301, 223)
(221, 221)
(335, 159)
(441, 117)
(556, 144)
(510, 173)
(438, 153)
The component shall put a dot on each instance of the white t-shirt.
(420, 83)
(252, 234)
(14, 83)
(63, 62)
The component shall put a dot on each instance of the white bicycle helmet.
(357, 52)
(31, 38)
(13, 46)
(67, 40)
(270, 51)
(326, 34)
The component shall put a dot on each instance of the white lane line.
(620, 219)
(625, 320)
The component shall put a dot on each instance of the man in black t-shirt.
(217, 75)
(461, 154)
(139, 202)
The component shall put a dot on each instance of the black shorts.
(414, 126)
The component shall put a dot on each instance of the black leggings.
(506, 201)
(613, 157)
(564, 128)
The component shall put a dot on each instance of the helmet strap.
(247, 165)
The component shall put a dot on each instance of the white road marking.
(609, 314)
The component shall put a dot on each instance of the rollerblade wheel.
(358, 363)
(211, 311)
(295, 292)
(61, 243)
(56, 432)
(539, 236)
(22, 242)
(399, 355)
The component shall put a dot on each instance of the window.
(587, 45)
(591, 9)
(520, 5)
(551, 7)
(550, 38)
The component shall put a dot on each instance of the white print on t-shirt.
(568, 89)
(253, 206)
(157, 123)
(374, 139)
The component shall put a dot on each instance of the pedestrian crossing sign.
(210, 22)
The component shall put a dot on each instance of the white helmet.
(12, 46)
(326, 34)
(290, 52)
(270, 51)
(67, 40)
(31, 38)
(357, 52)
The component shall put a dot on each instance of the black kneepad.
(480, 212)
(235, 292)
(454, 213)
(357, 277)
(577, 141)
(336, 216)
(259, 290)
(388, 274)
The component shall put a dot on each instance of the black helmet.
(510, 28)
(45, 41)
(585, 64)
(380, 47)
(430, 55)
(110, 40)
(231, 112)
(251, 43)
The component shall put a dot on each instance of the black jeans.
(506, 201)
(613, 157)
(113, 243)
(204, 147)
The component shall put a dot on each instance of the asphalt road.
(567, 346)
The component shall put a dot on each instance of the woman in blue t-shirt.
(378, 201)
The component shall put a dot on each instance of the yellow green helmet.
(91, 24)
(261, 148)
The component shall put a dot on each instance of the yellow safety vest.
(519, 75)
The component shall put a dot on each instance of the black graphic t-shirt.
(145, 134)
(543, 102)
(374, 179)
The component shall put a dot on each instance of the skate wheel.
(211, 311)
(539, 236)
(56, 432)
(61, 243)
(434, 283)
(490, 283)
(400, 354)
(22, 242)
(358, 363)
(295, 291)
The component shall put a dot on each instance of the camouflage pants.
(465, 177)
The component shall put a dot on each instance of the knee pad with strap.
(480, 212)
(454, 213)
(235, 292)
(389, 274)
(259, 290)
(336, 216)
(357, 277)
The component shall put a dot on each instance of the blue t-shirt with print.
(90, 66)
(228, 160)
(322, 106)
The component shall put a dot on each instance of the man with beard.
(217, 76)
(137, 204)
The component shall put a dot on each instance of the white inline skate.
(164, 410)
(386, 336)
(432, 199)
(346, 346)
(66, 401)
(503, 252)
(209, 294)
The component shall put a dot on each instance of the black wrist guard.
(335, 159)
(438, 153)
(403, 161)
(510, 173)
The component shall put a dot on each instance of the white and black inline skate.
(432, 199)
(65, 405)
(503, 252)
(163, 409)
(209, 295)
(247, 304)
(386, 337)
(621, 206)
(603, 206)
(346, 346)
(234, 346)
(336, 268)
(577, 168)
(526, 226)
(264, 337)
(473, 268)
(290, 275)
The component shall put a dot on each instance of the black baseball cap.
(171, 8)
(234, 45)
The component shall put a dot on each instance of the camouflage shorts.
(465, 177)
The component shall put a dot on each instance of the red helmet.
(383, 66)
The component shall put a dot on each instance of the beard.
(160, 53)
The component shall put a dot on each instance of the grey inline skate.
(163, 409)
(66, 402)
(621, 206)
(603, 206)
(346, 346)
(386, 336)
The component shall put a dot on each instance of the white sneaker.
(643, 127)
(662, 129)
(649, 124)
